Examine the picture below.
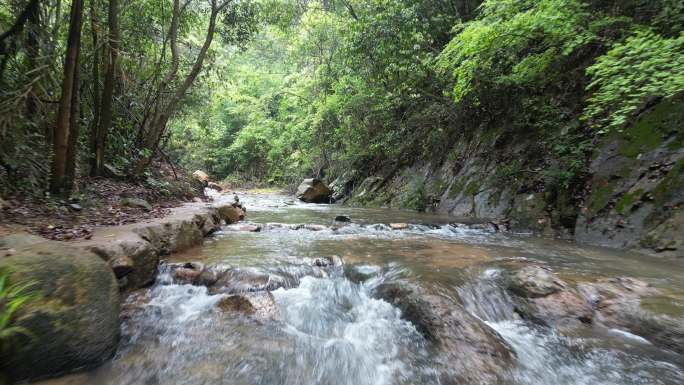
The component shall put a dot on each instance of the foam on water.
(347, 336)
(544, 357)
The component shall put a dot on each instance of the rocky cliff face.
(629, 195)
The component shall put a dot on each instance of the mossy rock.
(653, 127)
(74, 316)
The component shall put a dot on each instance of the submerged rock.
(332, 261)
(237, 280)
(617, 303)
(343, 218)
(312, 227)
(540, 295)
(260, 305)
(313, 191)
(535, 281)
(469, 352)
(74, 315)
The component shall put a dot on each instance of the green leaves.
(12, 298)
(644, 67)
(513, 43)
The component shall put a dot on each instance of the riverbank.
(308, 299)
(77, 287)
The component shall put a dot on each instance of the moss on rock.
(74, 318)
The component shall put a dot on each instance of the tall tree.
(155, 126)
(105, 111)
(60, 143)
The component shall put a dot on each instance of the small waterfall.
(486, 299)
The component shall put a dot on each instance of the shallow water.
(332, 330)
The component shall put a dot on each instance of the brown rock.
(534, 281)
(398, 226)
(313, 191)
(215, 186)
(201, 176)
(231, 214)
(122, 266)
(188, 273)
(468, 351)
(261, 306)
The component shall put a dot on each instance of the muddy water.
(332, 331)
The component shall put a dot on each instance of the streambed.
(332, 328)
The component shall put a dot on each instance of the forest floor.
(98, 202)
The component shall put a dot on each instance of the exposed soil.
(99, 202)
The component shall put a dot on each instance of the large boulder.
(314, 191)
(467, 350)
(74, 317)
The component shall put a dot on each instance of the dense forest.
(485, 192)
(361, 92)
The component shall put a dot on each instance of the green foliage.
(643, 68)
(514, 43)
(13, 297)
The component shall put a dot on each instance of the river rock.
(618, 304)
(260, 305)
(468, 351)
(215, 186)
(121, 266)
(136, 203)
(312, 227)
(74, 317)
(540, 295)
(313, 191)
(201, 176)
(187, 273)
(332, 261)
(535, 281)
(398, 226)
(245, 280)
(342, 218)
(244, 228)
(231, 214)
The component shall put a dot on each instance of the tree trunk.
(60, 142)
(74, 129)
(108, 88)
(32, 54)
(159, 120)
(95, 122)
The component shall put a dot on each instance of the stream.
(332, 329)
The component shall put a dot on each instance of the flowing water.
(331, 330)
